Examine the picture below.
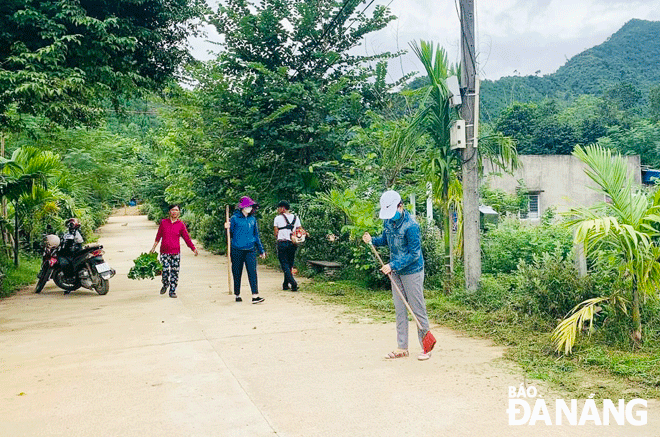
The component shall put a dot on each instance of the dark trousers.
(286, 253)
(249, 258)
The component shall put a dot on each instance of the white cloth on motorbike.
(76, 237)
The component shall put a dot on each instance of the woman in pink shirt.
(169, 231)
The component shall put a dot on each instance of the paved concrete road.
(135, 363)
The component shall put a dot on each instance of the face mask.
(247, 210)
(397, 215)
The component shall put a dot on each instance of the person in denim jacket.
(401, 234)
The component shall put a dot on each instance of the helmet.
(72, 223)
(52, 240)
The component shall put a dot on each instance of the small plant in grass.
(146, 266)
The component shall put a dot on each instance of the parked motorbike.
(71, 269)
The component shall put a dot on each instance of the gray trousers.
(412, 288)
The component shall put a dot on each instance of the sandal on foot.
(396, 354)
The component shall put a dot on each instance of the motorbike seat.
(74, 258)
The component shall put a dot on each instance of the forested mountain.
(630, 56)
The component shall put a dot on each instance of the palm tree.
(435, 116)
(619, 234)
(27, 173)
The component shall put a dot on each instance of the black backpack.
(289, 225)
(297, 237)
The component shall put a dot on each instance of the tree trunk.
(16, 243)
(446, 229)
(446, 226)
(636, 314)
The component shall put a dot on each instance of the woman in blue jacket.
(245, 244)
(402, 235)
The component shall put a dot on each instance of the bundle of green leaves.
(146, 266)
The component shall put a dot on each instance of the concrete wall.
(559, 179)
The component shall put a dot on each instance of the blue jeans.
(249, 258)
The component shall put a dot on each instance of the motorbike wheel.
(103, 287)
(43, 276)
(66, 284)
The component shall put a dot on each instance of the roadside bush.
(329, 241)
(550, 286)
(320, 222)
(494, 293)
(152, 211)
(650, 314)
(433, 252)
(505, 246)
(547, 288)
(209, 230)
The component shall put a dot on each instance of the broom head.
(428, 342)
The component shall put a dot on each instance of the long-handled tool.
(228, 252)
(428, 340)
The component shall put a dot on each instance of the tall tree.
(538, 129)
(288, 85)
(642, 138)
(60, 58)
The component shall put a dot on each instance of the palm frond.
(565, 334)
(499, 151)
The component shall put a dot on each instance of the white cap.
(388, 203)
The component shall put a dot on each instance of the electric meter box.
(457, 135)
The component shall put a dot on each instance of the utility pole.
(471, 237)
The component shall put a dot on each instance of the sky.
(513, 37)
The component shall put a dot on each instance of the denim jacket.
(405, 243)
(245, 232)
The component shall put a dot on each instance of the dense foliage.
(266, 116)
(67, 63)
(61, 58)
(512, 242)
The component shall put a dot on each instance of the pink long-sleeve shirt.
(170, 232)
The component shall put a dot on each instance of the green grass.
(15, 279)
(603, 371)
